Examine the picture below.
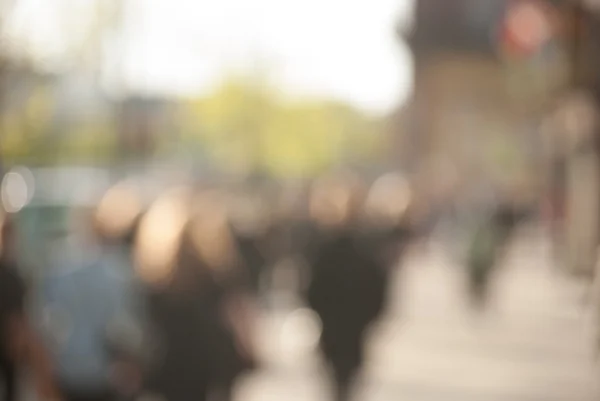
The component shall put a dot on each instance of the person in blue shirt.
(86, 310)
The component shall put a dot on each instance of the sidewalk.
(535, 344)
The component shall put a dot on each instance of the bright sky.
(344, 49)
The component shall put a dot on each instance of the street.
(534, 343)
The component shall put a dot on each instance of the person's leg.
(346, 361)
(8, 374)
(345, 376)
(342, 389)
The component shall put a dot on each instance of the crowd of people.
(160, 299)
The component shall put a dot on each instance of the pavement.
(535, 343)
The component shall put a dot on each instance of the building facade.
(483, 72)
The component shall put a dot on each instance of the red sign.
(526, 28)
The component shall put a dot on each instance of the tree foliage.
(31, 134)
(243, 125)
(248, 125)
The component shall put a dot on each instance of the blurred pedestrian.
(83, 305)
(251, 229)
(19, 344)
(487, 245)
(116, 221)
(347, 285)
(390, 222)
(188, 260)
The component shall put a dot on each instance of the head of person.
(183, 237)
(117, 214)
(209, 233)
(249, 215)
(335, 201)
(388, 201)
(68, 238)
(160, 232)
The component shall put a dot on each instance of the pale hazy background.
(334, 48)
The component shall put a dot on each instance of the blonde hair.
(177, 223)
(210, 232)
(117, 211)
(157, 244)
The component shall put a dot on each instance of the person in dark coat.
(251, 230)
(12, 298)
(196, 300)
(487, 246)
(389, 221)
(20, 346)
(347, 286)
